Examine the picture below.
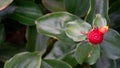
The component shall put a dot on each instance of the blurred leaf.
(114, 14)
(57, 64)
(91, 13)
(26, 12)
(24, 60)
(104, 62)
(45, 65)
(59, 50)
(97, 7)
(4, 3)
(77, 30)
(111, 45)
(94, 55)
(117, 62)
(114, 7)
(70, 58)
(41, 42)
(35, 41)
(82, 52)
(54, 25)
(115, 20)
(63, 52)
(54, 5)
(2, 34)
(99, 21)
(31, 38)
(7, 50)
(77, 7)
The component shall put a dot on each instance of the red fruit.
(95, 36)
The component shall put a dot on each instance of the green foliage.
(26, 12)
(54, 33)
(2, 33)
(76, 29)
(99, 21)
(24, 60)
(110, 46)
(57, 29)
(77, 7)
(56, 64)
(82, 52)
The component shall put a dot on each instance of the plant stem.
(50, 46)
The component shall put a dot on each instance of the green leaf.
(2, 34)
(111, 45)
(91, 13)
(35, 41)
(8, 50)
(97, 7)
(77, 30)
(104, 62)
(69, 58)
(45, 65)
(54, 25)
(114, 13)
(26, 12)
(54, 5)
(41, 42)
(77, 7)
(4, 3)
(57, 64)
(82, 52)
(60, 50)
(99, 21)
(31, 38)
(24, 60)
(94, 55)
(114, 7)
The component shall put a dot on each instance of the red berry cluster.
(95, 35)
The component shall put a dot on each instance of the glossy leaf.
(110, 45)
(26, 12)
(77, 7)
(94, 55)
(54, 25)
(4, 3)
(24, 60)
(97, 7)
(82, 52)
(57, 64)
(2, 34)
(54, 5)
(77, 30)
(99, 21)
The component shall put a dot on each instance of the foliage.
(54, 33)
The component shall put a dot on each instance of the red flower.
(95, 35)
